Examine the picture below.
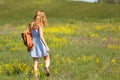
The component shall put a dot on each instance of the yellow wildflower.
(97, 60)
(69, 60)
(41, 65)
(38, 73)
(78, 58)
(9, 68)
(1, 69)
(56, 70)
(93, 34)
(84, 58)
(113, 46)
(113, 60)
(14, 48)
(90, 58)
(22, 67)
(99, 28)
(63, 59)
(104, 39)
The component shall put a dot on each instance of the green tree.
(110, 1)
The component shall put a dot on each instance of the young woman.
(40, 48)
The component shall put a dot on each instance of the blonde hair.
(42, 15)
(41, 21)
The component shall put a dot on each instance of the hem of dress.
(40, 56)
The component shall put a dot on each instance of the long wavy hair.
(38, 20)
(42, 15)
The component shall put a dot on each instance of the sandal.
(47, 72)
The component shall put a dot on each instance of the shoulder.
(40, 28)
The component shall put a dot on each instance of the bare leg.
(35, 68)
(47, 63)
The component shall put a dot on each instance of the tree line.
(110, 1)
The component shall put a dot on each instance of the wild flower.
(39, 73)
(40, 65)
(7, 40)
(8, 68)
(1, 69)
(22, 67)
(99, 27)
(93, 34)
(63, 59)
(90, 58)
(78, 58)
(57, 42)
(119, 28)
(63, 30)
(69, 60)
(55, 70)
(113, 46)
(104, 39)
(113, 60)
(84, 58)
(14, 49)
(97, 60)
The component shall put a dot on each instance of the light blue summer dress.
(39, 49)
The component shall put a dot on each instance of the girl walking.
(40, 48)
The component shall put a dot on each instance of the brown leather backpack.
(27, 39)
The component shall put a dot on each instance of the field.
(81, 49)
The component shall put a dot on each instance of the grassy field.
(80, 51)
(83, 46)
(21, 12)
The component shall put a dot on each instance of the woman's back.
(35, 33)
(34, 27)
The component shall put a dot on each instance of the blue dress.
(39, 49)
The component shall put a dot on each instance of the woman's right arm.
(42, 38)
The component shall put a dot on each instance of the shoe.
(47, 72)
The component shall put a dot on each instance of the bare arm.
(42, 38)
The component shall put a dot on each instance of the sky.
(86, 0)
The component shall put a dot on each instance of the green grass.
(20, 12)
(83, 39)
(80, 51)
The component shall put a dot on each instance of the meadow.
(87, 49)
(79, 51)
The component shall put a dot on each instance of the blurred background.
(20, 12)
